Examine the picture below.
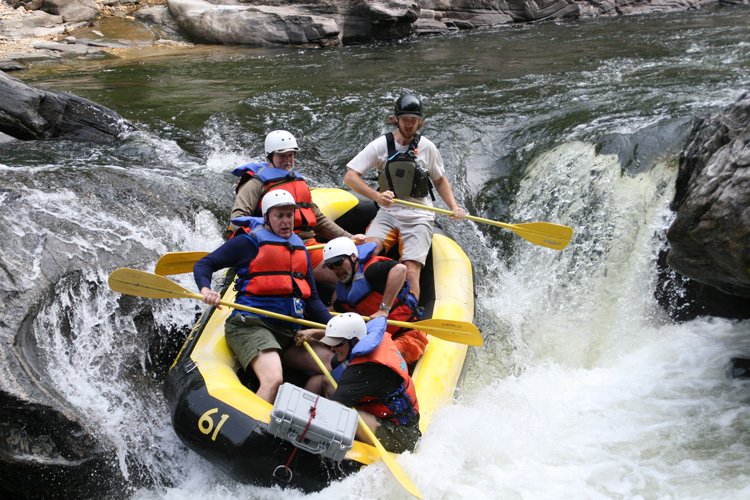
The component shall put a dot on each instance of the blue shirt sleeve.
(237, 252)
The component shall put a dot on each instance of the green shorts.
(247, 338)
(398, 438)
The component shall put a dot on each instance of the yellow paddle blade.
(544, 234)
(397, 471)
(460, 332)
(178, 262)
(150, 286)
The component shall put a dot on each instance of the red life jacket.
(277, 178)
(278, 270)
(401, 406)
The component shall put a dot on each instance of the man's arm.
(395, 277)
(326, 227)
(354, 180)
(247, 200)
(443, 188)
(234, 252)
(315, 310)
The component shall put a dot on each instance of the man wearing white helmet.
(372, 377)
(274, 274)
(256, 179)
(375, 286)
(406, 163)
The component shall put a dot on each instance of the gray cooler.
(331, 431)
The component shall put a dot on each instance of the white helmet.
(280, 141)
(338, 247)
(343, 327)
(276, 198)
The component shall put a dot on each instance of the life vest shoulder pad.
(375, 333)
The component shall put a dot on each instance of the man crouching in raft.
(372, 377)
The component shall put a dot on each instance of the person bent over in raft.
(274, 274)
(372, 377)
(257, 179)
(375, 286)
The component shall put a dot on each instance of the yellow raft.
(221, 419)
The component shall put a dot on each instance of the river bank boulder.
(709, 240)
(33, 113)
(288, 22)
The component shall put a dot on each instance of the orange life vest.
(278, 178)
(275, 278)
(401, 406)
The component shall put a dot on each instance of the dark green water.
(584, 388)
(495, 99)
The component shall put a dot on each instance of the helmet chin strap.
(351, 346)
(353, 270)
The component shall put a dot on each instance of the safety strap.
(312, 411)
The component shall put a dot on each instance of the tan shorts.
(415, 237)
(247, 338)
(398, 438)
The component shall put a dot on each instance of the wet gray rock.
(29, 113)
(43, 449)
(710, 237)
(234, 23)
(36, 24)
(325, 22)
(68, 10)
(159, 18)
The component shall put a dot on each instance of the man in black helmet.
(406, 163)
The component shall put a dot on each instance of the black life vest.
(402, 175)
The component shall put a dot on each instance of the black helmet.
(408, 104)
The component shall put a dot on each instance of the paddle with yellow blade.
(152, 286)
(183, 262)
(544, 234)
(461, 332)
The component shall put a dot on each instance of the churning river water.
(584, 389)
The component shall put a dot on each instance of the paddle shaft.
(546, 234)
(448, 212)
(457, 336)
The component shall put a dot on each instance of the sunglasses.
(336, 263)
